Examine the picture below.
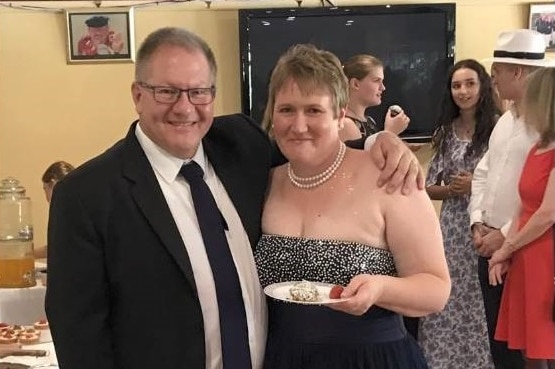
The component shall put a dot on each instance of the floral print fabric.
(457, 338)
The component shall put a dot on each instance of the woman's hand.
(461, 183)
(497, 272)
(396, 124)
(500, 255)
(362, 292)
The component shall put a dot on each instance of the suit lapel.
(232, 176)
(148, 195)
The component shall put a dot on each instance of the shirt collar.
(165, 164)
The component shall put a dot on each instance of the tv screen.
(415, 43)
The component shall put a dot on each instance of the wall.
(50, 110)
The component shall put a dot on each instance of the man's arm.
(399, 166)
(478, 188)
(486, 240)
(77, 297)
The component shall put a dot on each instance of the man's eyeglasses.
(169, 95)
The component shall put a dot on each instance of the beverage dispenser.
(17, 264)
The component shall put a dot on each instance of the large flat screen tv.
(415, 42)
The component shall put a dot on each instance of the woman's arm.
(460, 185)
(435, 186)
(542, 219)
(414, 238)
(439, 192)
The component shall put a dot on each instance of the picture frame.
(542, 20)
(100, 36)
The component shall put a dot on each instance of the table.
(49, 359)
(22, 306)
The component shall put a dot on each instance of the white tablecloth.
(50, 358)
(22, 306)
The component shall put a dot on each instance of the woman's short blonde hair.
(311, 68)
(539, 104)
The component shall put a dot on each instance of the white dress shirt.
(178, 196)
(495, 199)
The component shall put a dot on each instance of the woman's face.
(369, 89)
(305, 126)
(48, 187)
(465, 88)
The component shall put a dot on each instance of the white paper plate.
(280, 291)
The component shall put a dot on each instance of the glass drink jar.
(17, 264)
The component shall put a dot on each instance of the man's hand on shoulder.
(399, 165)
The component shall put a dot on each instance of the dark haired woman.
(457, 337)
(54, 173)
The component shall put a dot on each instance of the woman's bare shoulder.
(363, 165)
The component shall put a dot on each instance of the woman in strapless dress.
(326, 220)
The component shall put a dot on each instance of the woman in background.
(366, 86)
(326, 220)
(525, 319)
(457, 337)
(53, 174)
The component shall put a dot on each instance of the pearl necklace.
(321, 178)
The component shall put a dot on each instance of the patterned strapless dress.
(317, 337)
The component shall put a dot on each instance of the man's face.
(99, 35)
(177, 128)
(504, 78)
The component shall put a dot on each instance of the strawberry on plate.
(335, 292)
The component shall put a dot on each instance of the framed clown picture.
(100, 36)
(542, 20)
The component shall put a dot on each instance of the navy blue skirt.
(317, 337)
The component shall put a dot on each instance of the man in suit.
(130, 281)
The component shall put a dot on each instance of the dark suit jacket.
(121, 292)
